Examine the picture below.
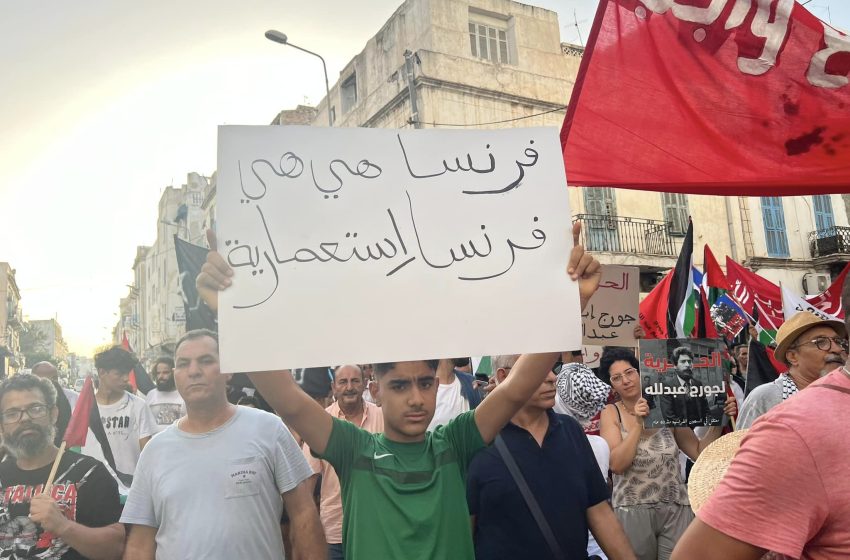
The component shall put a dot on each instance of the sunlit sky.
(104, 103)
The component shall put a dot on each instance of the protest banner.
(363, 245)
(683, 382)
(612, 313)
(591, 355)
(724, 97)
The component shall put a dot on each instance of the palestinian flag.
(85, 422)
(482, 364)
(713, 278)
(682, 298)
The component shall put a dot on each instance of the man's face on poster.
(684, 364)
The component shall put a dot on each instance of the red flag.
(125, 343)
(653, 309)
(734, 98)
(751, 291)
(78, 426)
(830, 300)
(714, 277)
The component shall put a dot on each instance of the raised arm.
(510, 395)
(531, 369)
(279, 389)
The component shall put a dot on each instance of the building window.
(824, 218)
(774, 226)
(601, 232)
(489, 43)
(348, 93)
(197, 199)
(676, 212)
(333, 114)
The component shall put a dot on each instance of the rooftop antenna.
(578, 30)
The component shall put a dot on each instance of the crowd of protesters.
(547, 460)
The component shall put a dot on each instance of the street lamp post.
(278, 37)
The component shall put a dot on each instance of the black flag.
(760, 368)
(190, 259)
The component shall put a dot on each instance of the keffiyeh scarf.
(789, 388)
(581, 391)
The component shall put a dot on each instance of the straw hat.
(791, 330)
(711, 466)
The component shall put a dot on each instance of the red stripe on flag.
(78, 426)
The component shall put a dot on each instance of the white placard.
(612, 313)
(372, 245)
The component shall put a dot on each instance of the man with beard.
(811, 347)
(349, 405)
(682, 409)
(165, 402)
(78, 516)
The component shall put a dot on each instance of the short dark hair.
(115, 358)
(163, 360)
(385, 367)
(29, 382)
(615, 354)
(355, 366)
(677, 353)
(196, 334)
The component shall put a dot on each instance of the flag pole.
(53, 470)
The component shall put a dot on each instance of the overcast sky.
(106, 102)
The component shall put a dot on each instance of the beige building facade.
(11, 322)
(53, 343)
(152, 314)
(499, 63)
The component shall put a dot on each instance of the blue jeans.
(336, 552)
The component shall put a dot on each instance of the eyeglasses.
(14, 415)
(631, 372)
(824, 343)
(556, 369)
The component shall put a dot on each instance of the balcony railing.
(619, 234)
(830, 241)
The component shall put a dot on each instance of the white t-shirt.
(125, 423)
(166, 406)
(217, 494)
(450, 403)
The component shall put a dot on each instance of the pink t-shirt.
(788, 488)
(330, 502)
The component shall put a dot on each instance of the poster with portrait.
(683, 382)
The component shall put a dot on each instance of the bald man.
(48, 371)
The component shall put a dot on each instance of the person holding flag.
(126, 420)
(76, 515)
(811, 347)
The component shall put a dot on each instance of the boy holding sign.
(404, 489)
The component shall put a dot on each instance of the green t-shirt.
(405, 500)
